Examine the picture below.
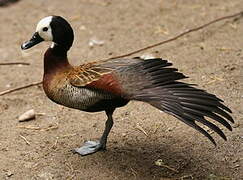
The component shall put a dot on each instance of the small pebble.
(27, 116)
(147, 56)
(8, 85)
(82, 28)
(95, 41)
(159, 162)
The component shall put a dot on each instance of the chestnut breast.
(57, 88)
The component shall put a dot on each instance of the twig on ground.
(27, 142)
(178, 36)
(160, 163)
(68, 135)
(14, 63)
(170, 168)
(54, 146)
(30, 127)
(134, 172)
(51, 127)
(186, 177)
(19, 88)
(214, 79)
(140, 128)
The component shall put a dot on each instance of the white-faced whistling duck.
(107, 85)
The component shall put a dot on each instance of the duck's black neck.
(59, 50)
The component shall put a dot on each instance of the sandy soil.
(211, 57)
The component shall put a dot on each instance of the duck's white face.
(51, 28)
(44, 29)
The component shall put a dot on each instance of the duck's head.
(52, 28)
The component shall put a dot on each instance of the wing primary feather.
(210, 115)
(178, 85)
(196, 95)
(162, 71)
(195, 126)
(227, 109)
(207, 123)
(201, 101)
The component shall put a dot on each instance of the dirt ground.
(212, 58)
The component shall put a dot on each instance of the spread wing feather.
(154, 81)
(160, 87)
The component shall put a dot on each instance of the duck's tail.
(161, 89)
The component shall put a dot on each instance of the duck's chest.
(59, 90)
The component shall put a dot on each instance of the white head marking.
(44, 28)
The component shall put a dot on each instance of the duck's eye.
(45, 29)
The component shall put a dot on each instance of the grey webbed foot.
(89, 147)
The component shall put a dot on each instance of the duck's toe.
(89, 147)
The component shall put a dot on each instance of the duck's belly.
(81, 98)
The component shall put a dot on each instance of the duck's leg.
(91, 147)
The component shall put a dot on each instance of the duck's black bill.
(36, 39)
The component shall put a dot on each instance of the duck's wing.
(86, 74)
(118, 76)
(100, 76)
(154, 81)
